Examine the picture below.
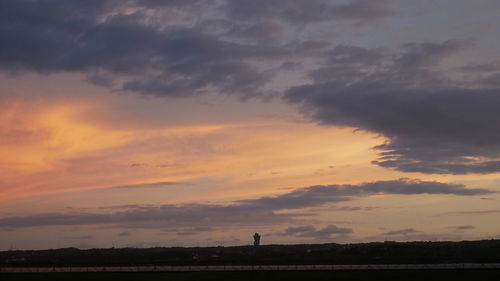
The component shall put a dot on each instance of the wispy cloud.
(405, 231)
(164, 184)
(474, 212)
(263, 210)
(462, 227)
(310, 231)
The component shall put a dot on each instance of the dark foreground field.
(407, 275)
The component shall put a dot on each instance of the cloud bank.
(431, 123)
(259, 211)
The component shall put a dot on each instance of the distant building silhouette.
(256, 239)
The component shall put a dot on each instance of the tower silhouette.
(256, 239)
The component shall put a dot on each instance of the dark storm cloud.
(431, 125)
(307, 12)
(262, 210)
(310, 231)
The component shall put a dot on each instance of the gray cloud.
(308, 12)
(483, 67)
(262, 210)
(321, 194)
(492, 80)
(417, 236)
(261, 31)
(137, 46)
(161, 217)
(431, 125)
(124, 234)
(402, 232)
(347, 208)
(100, 80)
(97, 36)
(83, 237)
(186, 230)
(462, 227)
(310, 231)
(166, 3)
(150, 185)
(418, 55)
(195, 230)
(476, 212)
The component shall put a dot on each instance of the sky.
(145, 123)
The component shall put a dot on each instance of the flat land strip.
(407, 275)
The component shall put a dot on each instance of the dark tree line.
(484, 251)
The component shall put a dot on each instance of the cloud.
(415, 235)
(124, 234)
(165, 48)
(347, 208)
(263, 210)
(195, 230)
(322, 194)
(83, 237)
(167, 3)
(431, 125)
(477, 212)
(261, 31)
(402, 232)
(160, 217)
(462, 227)
(104, 37)
(492, 80)
(481, 67)
(100, 80)
(163, 184)
(418, 55)
(309, 12)
(310, 231)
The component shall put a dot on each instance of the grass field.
(407, 275)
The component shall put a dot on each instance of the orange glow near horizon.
(66, 153)
(69, 154)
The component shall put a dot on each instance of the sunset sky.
(140, 123)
